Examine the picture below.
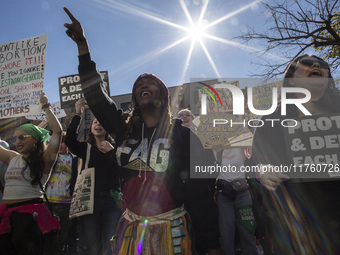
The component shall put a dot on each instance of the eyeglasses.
(310, 62)
(22, 137)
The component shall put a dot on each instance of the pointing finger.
(70, 15)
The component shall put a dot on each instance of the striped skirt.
(165, 234)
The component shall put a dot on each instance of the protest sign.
(55, 108)
(70, 89)
(314, 146)
(22, 65)
(225, 101)
(263, 95)
(225, 129)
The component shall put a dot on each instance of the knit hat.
(38, 133)
(164, 91)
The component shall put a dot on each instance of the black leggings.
(25, 238)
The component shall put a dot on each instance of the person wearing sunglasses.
(300, 215)
(24, 218)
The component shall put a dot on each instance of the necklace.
(147, 152)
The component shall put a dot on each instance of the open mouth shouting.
(98, 129)
(316, 72)
(145, 93)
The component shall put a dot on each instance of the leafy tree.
(331, 52)
(296, 27)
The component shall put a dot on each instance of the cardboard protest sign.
(314, 146)
(55, 108)
(263, 95)
(223, 129)
(213, 103)
(22, 65)
(70, 89)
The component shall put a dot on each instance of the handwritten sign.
(55, 108)
(213, 103)
(263, 95)
(70, 89)
(314, 146)
(22, 65)
(232, 133)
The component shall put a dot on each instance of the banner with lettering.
(313, 144)
(22, 66)
(263, 95)
(222, 100)
(217, 128)
(70, 89)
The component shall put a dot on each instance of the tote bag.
(82, 202)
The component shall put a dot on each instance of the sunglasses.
(310, 62)
(184, 115)
(22, 137)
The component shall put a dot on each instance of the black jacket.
(163, 183)
(106, 170)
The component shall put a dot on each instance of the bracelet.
(46, 106)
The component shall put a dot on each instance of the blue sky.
(128, 38)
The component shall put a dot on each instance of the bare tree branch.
(294, 28)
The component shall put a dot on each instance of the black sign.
(314, 147)
(70, 89)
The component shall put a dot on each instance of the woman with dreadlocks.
(24, 218)
(153, 152)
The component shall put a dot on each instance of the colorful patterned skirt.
(166, 234)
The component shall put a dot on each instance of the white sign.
(55, 108)
(22, 66)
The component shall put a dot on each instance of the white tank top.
(18, 185)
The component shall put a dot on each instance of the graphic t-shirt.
(58, 187)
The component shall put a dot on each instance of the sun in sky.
(197, 31)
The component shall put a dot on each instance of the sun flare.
(196, 32)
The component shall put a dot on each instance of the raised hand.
(270, 179)
(80, 106)
(76, 33)
(105, 146)
(43, 99)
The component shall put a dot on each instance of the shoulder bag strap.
(45, 196)
(80, 160)
(88, 155)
